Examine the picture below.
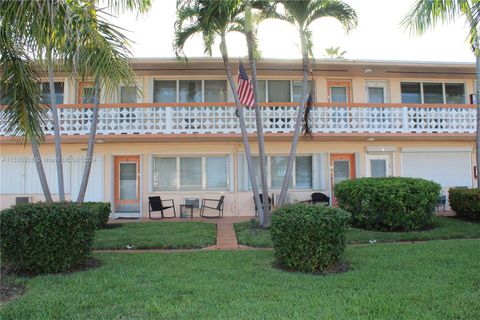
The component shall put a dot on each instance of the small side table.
(184, 210)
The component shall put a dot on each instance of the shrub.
(101, 211)
(465, 202)
(389, 204)
(46, 237)
(309, 238)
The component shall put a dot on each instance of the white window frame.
(291, 87)
(269, 171)
(204, 172)
(436, 82)
(62, 80)
(384, 84)
(386, 157)
(177, 87)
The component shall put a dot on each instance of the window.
(455, 93)
(164, 91)
(189, 91)
(433, 92)
(411, 92)
(215, 91)
(279, 91)
(377, 91)
(338, 94)
(58, 86)
(190, 173)
(297, 90)
(276, 168)
(378, 165)
(128, 94)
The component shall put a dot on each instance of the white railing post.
(405, 119)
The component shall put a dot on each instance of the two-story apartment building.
(180, 137)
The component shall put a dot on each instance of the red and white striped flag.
(245, 89)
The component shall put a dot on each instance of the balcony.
(208, 118)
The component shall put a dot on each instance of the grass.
(157, 235)
(431, 280)
(443, 228)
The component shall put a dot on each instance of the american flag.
(245, 89)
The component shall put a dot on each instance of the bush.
(389, 204)
(46, 237)
(309, 238)
(465, 202)
(101, 211)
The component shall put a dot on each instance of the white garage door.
(450, 169)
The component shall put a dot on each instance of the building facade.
(179, 138)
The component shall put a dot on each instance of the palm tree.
(249, 34)
(214, 19)
(71, 33)
(427, 14)
(334, 53)
(302, 13)
(22, 115)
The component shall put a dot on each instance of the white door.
(450, 169)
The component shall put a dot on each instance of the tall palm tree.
(427, 14)
(214, 19)
(249, 34)
(302, 13)
(21, 94)
(71, 33)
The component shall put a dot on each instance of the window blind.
(165, 174)
(191, 173)
(217, 171)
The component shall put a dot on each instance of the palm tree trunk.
(41, 172)
(477, 94)
(56, 131)
(243, 129)
(91, 145)
(258, 114)
(298, 123)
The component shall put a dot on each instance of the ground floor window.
(277, 166)
(378, 166)
(190, 173)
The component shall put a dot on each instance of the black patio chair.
(318, 197)
(261, 200)
(218, 207)
(441, 202)
(156, 204)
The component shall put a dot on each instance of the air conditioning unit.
(193, 201)
(23, 200)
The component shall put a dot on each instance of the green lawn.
(430, 280)
(157, 235)
(444, 228)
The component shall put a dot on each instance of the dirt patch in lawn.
(9, 288)
(340, 267)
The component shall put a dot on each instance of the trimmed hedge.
(465, 202)
(101, 211)
(309, 238)
(46, 237)
(389, 204)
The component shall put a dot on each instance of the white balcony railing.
(203, 118)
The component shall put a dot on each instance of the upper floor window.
(281, 90)
(189, 91)
(433, 92)
(58, 86)
(128, 94)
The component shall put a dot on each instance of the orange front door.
(127, 184)
(339, 91)
(342, 167)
